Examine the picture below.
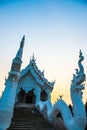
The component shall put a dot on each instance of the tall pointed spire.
(20, 51)
(17, 61)
(8, 97)
(22, 42)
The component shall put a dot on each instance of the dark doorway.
(21, 96)
(30, 97)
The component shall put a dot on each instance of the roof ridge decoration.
(39, 76)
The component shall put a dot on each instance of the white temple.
(32, 85)
(28, 86)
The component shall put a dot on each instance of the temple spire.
(20, 51)
(7, 100)
(22, 42)
(17, 61)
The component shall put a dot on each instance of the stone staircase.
(28, 118)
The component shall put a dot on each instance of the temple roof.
(37, 74)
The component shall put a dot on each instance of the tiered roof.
(37, 74)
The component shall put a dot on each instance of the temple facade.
(22, 88)
(33, 86)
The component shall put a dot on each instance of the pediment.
(31, 76)
(28, 82)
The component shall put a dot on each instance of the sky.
(55, 31)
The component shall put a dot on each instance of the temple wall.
(28, 83)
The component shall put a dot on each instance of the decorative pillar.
(8, 98)
(37, 93)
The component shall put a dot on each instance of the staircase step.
(29, 118)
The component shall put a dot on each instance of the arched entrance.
(43, 96)
(21, 96)
(30, 97)
(24, 97)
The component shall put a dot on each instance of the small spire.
(33, 58)
(43, 72)
(22, 42)
(60, 96)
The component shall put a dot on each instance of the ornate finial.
(52, 83)
(80, 53)
(60, 96)
(81, 56)
(33, 56)
(79, 77)
(33, 59)
(73, 75)
(43, 72)
(22, 42)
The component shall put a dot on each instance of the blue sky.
(55, 31)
